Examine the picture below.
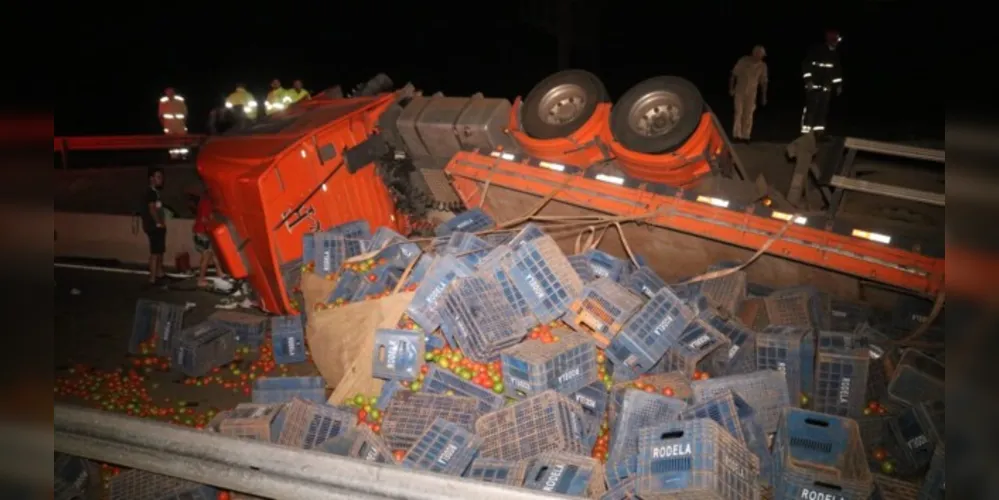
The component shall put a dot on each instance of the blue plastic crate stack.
(592, 376)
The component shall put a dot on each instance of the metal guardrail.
(254, 467)
(125, 142)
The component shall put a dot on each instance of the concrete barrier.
(118, 237)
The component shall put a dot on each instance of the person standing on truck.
(173, 119)
(749, 78)
(298, 92)
(154, 216)
(242, 103)
(278, 98)
(822, 74)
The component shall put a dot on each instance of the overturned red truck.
(657, 156)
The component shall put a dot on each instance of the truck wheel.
(657, 115)
(561, 103)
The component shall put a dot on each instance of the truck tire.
(561, 103)
(657, 115)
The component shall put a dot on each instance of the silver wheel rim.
(655, 113)
(562, 104)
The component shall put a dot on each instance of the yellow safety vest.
(298, 95)
(277, 101)
(242, 98)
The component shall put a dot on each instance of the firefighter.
(242, 102)
(822, 75)
(278, 98)
(173, 119)
(297, 92)
(749, 78)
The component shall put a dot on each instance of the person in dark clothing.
(822, 75)
(154, 224)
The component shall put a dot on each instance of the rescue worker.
(822, 74)
(173, 119)
(277, 99)
(749, 78)
(297, 92)
(242, 103)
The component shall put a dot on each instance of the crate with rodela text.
(288, 339)
(841, 365)
(673, 384)
(740, 355)
(472, 221)
(359, 442)
(409, 414)
(440, 381)
(640, 409)
(918, 430)
(565, 474)
(250, 328)
(697, 458)
(545, 278)
(202, 347)
(445, 448)
(791, 351)
(601, 310)
(692, 350)
(544, 422)
(466, 247)
(252, 421)
(605, 265)
(593, 400)
(645, 282)
(582, 267)
(764, 390)
(138, 484)
(646, 336)
(307, 424)
(398, 354)
(337, 244)
(429, 296)
(739, 419)
(497, 264)
(478, 318)
(819, 456)
(272, 390)
(155, 327)
(534, 366)
(493, 470)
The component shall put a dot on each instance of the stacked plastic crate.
(640, 409)
(478, 318)
(739, 419)
(791, 351)
(155, 327)
(692, 351)
(764, 390)
(565, 474)
(534, 366)
(601, 310)
(409, 414)
(541, 423)
(250, 329)
(645, 337)
(202, 347)
(841, 364)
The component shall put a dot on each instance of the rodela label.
(818, 495)
(672, 450)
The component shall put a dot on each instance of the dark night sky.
(114, 74)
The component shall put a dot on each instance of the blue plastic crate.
(619, 471)
(917, 378)
(307, 424)
(764, 390)
(202, 347)
(582, 267)
(439, 381)
(359, 442)
(544, 422)
(646, 336)
(385, 237)
(696, 458)
(445, 448)
(501, 237)
(645, 282)
(287, 339)
(348, 282)
(817, 454)
(910, 313)
(846, 316)
(918, 430)
(640, 409)
(397, 354)
(692, 350)
(545, 278)
(434, 341)
(565, 474)
(492, 470)
(566, 366)
(739, 419)
(757, 290)
(273, 390)
(419, 271)
(725, 292)
(250, 328)
(605, 265)
(309, 249)
(429, 296)
(389, 388)
(602, 309)
(529, 232)
(157, 321)
(409, 414)
(477, 317)
(398, 255)
(252, 421)
(791, 351)
(593, 400)
(841, 364)
(497, 263)
(802, 306)
(340, 243)
(472, 221)
(935, 482)
(137, 484)
(740, 355)
(624, 490)
(889, 488)
(467, 248)
(376, 282)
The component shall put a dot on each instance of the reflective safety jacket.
(241, 97)
(277, 100)
(821, 69)
(298, 95)
(173, 113)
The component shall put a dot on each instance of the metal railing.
(254, 467)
